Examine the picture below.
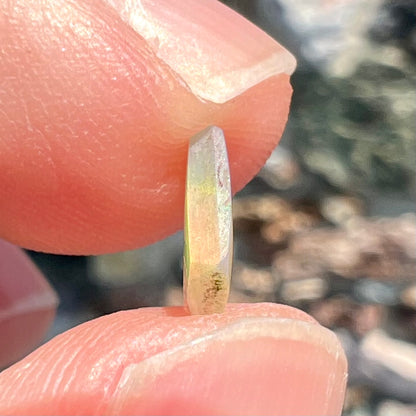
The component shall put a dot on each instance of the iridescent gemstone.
(208, 251)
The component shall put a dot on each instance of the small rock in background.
(263, 223)
(281, 170)
(342, 312)
(276, 217)
(299, 290)
(408, 297)
(356, 401)
(401, 323)
(377, 365)
(340, 209)
(365, 248)
(395, 408)
(252, 284)
(396, 356)
(374, 291)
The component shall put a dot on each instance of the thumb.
(97, 105)
(254, 359)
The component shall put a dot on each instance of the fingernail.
(256, 366)
(217, 52)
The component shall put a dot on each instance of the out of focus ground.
(329, 224)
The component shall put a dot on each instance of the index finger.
(98, 102)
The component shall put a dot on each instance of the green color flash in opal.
(208, 251)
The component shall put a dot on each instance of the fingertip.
(94, 136)
(253, 359)
(253, 366)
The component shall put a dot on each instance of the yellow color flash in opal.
(208, 251)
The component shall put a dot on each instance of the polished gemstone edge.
(208, 228)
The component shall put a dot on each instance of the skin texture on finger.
(80, 371)
(95, 120)
(254, 366)
(27, 304)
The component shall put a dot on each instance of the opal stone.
(208, 251)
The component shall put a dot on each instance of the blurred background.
(329, 223)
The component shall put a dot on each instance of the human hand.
(94, 127)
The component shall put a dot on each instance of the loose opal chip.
(208, 251)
